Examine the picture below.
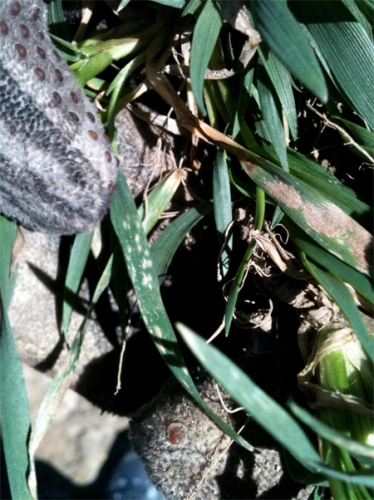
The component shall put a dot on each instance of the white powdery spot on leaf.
(146, 263)
(162, 348)
(147, 280)
(158, 332)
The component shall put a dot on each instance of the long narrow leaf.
(158, 199)
(246, 393)
(237, 283)
(364, 137)
(281, 80)
(272, 114)
(204, 39)
(322, 220)
(144, 279)
(222, 206)
(361, 451)
(243, 100)
(56, 391)
(14, 407)
(317, 177)
(264, 409)
(280, 31)
(346, 48)
(8, 234)
(57, 21)
(358, 281)
(164, 248)
(77, 263)
(340, 294)
(15, 414)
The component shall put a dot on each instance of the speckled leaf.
(140, 267)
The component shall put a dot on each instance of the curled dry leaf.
(237, 15)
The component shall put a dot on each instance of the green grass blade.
(323, 181)
(264, 409)
(65, 49)
(222, 206)
(238, 280)
(177, 4)
(205, 36)
(122, 5)
(77, 263)
(8, 234)
(346, 48)
(116, 88)
(354, 8)
(246, 393)
(144, 279)
(281, 81)
(362, 136)
(317, 177)
(272, 114)
(164, 248)
(319, 218)
(52, 401)
(361, 451)
(191, 7)
(358, 281)
(340, 294)
(56, 391)
(15, 415)
(246, 80)
(93, 67)
(281, 32)
(57, 21)
(327, 184)
(158, 199)
(14, 408)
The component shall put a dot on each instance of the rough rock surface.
(188, 457)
